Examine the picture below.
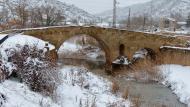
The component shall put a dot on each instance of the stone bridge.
(114, 42)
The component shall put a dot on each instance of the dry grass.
(2, 76)
(126, 93)
(87, 102)
(136, 101)
(146, 70)
(165, 56)
(115, 87)
(181, 58)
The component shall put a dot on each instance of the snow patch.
(70, 47)
(177, 77)
(19, 95)
(174, 47)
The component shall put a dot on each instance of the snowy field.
(177, 77)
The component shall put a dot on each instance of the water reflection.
(89, 64)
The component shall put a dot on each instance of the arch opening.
(121, 50)
(85, 47)
(144, 53)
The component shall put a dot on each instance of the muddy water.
(150, 94)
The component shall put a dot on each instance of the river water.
(151, 94)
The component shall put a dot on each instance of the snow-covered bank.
(178, 78)
(19, 95)
(81, 87)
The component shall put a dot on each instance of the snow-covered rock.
(122, 60)
(178, 77)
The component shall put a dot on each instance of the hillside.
(160, 8)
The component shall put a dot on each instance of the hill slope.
(160, 8)
(71, 12)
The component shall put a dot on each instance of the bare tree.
(129, 19)
(21, 8)
(4, 15)
(51, 16)
(151, 18)
(144, 22)
(36, 17)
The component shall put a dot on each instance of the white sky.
(97, 6)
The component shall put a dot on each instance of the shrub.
(181, 58)
(126, 93)
(40, 76)
(136, 101)
(2, 99)
(35, 68)
(146, 70)
(115, 87)
(2, 76)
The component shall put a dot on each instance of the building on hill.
(169, 24)
(181, 25)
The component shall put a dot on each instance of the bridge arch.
(103, 46)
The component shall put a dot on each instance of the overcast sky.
(97, 6)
